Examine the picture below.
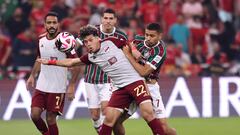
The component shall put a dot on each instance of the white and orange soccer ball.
(65, 42)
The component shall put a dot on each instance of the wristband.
(52, 62)
(133, 48)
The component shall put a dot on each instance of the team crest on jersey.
(112, 60)
(157, 59)
(146, 54)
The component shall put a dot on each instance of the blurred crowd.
(202, 36)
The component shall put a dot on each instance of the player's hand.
(71, 92)
(30, 82)
(136, 54)
(126, 50)
(42, 61)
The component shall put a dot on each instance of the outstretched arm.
(63, 63)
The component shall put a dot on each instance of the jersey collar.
(101, 29)
(152, 46)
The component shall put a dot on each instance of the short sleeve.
(119, 42)
(85, 59)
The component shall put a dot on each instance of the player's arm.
(136, 54)
(69, 62)
(143, 70)
(35, 71)
(72, 82)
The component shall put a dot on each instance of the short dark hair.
(154, 26)
(110, 11)
(51, 14)
(88, 30)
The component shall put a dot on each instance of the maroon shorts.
(136, 91)
(52, 102)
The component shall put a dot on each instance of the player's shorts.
(158, 106)
(51, 102)
(97, 93)
(123, 97)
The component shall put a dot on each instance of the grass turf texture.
(184, 126)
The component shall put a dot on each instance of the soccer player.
(97, 83)
(108, 55)
(148, 64)
(51, 85)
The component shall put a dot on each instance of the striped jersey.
(93, 73)
(154, 56)
(52, 79)
(111, 59)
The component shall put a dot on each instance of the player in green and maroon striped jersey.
(148, 54)
(97, 83)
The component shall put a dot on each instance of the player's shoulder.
(139, 38)
(42, 35)
(121, 33)
(110, 39)
(97, 26)
(162, 43)
(115, 40)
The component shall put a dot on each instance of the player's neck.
(51, 36)
(108, 30)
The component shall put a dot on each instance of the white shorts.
(158, 106)
(97, 93)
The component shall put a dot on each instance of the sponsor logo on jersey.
(157, 59)
(112, 60)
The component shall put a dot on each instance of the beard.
(52, 31)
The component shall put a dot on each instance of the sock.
(105, 130)
(156, 127)
(41, 125)
(53, 129)
(98, 123)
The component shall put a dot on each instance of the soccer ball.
(65, 42)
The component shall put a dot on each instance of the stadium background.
(199, 80)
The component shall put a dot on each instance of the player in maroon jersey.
(130, 85)
(52, 81)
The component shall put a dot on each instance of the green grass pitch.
(184, 126)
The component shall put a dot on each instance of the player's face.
(51, 25)
(92, 43)
(152, 37)
(108, 21)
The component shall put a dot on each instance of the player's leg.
(94, 104)
(105, 92)
(167, 129)
(36, 111)
(118, 128)
(112, 114)
(159, 108)
(142, 97)
(52, 122)
(147, 113)
(120, 99)
(55, 104)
